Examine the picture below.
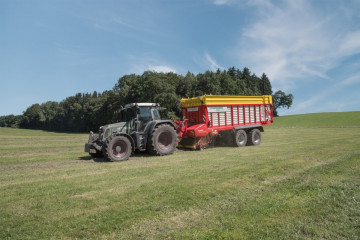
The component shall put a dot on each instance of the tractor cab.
(139, 114)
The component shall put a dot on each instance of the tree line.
(87, 111)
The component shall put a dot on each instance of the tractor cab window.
(130, 114)
(145, 114)
(155, 114)
(148, 114)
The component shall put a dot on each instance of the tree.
(88, 111)
(248, 91)
(186, 85)
(280, 99)
(228, 84)
(208, 83)
(265, 85)
(33, 117)
(50, 110)
(10, 121)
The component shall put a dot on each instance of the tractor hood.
(107, 130)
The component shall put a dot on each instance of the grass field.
(345, 119)
(300, 183)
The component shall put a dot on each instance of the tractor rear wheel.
(162, 141)
(254, 137)
(118, 148)
(240, 138)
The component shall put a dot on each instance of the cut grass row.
(299, 183)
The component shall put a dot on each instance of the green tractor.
(140, 129)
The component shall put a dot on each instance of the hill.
(335, 119)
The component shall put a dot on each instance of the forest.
(87, 111)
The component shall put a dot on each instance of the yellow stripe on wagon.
(225, 100)
(188, 146)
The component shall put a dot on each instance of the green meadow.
(301, 182)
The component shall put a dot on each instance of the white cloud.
(328, 93)
(147, 61)
(354, 79)
(293, 40)
(301, 43)
(213, 65)
(121, 22)
(161, 68)
(350, 43)
(221, 2)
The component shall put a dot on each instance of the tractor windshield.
(148, 114)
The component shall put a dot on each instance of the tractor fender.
(248, 127)
(151, 125)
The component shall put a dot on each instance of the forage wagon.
(235, 120)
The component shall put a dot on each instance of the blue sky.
(50, 50)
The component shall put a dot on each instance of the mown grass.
(300, 183)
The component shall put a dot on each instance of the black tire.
(118, 148)
(254, 137)
(240, 138)
(162, 140)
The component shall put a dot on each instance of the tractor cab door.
(144, 117)
(129, 117)
(155, 114)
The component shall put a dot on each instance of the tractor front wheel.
(118, 148)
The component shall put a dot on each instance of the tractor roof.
(129, 105)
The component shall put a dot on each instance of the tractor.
(140, 128)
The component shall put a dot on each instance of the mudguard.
(245, 127)
(151, 126)
(129, 137)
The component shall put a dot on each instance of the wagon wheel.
(254, 137)
(240, 138)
